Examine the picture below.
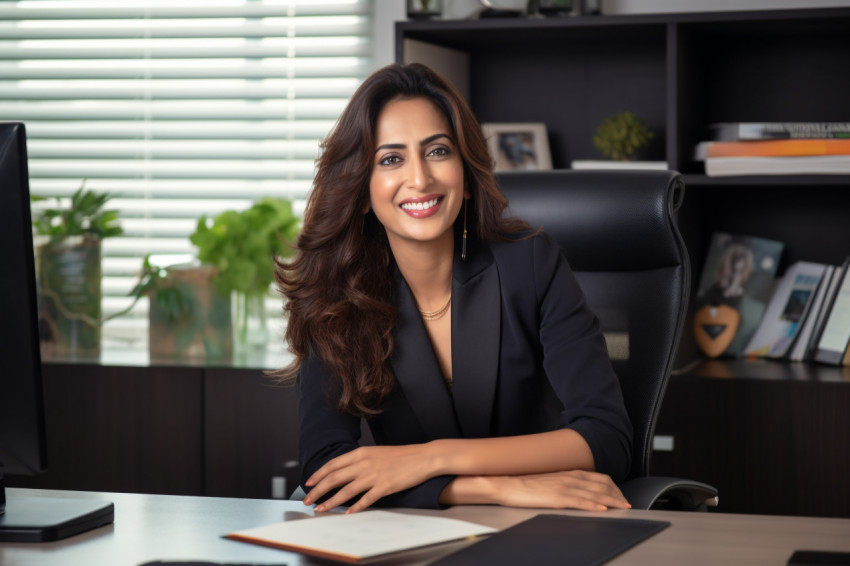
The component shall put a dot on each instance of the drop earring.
(463, 246)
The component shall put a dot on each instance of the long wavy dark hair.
(340, 287)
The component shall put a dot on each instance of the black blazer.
(527, 356)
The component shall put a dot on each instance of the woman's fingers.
(601, 484)
(564, 490)
(338, 463)
(375, 471)
(345, 493)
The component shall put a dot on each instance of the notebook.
(360, 536)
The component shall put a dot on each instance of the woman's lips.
(422, 207)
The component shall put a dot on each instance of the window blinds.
(178, 108)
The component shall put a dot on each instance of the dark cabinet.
(174, 430)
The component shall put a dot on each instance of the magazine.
(736, 284)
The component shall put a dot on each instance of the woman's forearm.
(553, 451)
(472, 490)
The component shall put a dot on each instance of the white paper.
(366, 534)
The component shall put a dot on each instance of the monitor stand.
(41, 519)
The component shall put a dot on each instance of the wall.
(384, 15)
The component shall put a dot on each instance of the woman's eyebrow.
(429, 139)
(426, 141)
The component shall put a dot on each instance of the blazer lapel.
(476, 335)
(418, 372)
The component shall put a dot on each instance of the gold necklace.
(437, 314)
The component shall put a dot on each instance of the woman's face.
(417, 187)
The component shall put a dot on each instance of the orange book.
(779, 148)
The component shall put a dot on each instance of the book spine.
(779, 130)
(820, 321)
(771, 165)
(823, 351)
(800, 348)
(779, 148)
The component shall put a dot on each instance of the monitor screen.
(23, 446)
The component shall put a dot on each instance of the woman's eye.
(439, 151)
(389, 160)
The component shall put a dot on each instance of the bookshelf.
(680, 72)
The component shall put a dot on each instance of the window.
(178, 108)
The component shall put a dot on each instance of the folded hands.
(376, 471)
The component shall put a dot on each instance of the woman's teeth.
(420, 205)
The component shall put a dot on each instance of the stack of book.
(808, 317)
(776, 148)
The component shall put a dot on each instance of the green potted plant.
(241, 247)
(68, 268)
(186, 316)
(621, 135)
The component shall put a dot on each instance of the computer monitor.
(23, 444)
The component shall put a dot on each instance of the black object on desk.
(819, 558)
(557, 540)
(44, 519)
(205, 563)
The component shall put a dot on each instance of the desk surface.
(162, 527)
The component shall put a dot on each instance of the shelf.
(768, 180)
(753, 428)
(469, 34)
(764, 369)
(140, 358)
(816, 19)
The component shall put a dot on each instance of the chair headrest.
(605, 220)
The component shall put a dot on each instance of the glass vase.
(69, 296)
(250, 324)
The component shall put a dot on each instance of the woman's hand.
(374, 471)
(575, 489)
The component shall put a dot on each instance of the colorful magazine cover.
(736, 285)
(788, 309)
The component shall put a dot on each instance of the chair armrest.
(655, 492)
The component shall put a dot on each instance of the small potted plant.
(68, 267)
(241, 246)
(620, 136)
(186, 317)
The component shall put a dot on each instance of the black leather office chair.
(620, 236)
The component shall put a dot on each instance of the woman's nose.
(417, 173)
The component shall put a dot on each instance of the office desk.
(167, 527)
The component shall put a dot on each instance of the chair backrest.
(620, 236)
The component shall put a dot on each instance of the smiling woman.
(415, 303)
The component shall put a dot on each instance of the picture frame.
(518, 146)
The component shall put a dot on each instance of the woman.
(460, 335)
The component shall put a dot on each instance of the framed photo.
(518, 146)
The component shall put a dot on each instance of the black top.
(527, 357)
